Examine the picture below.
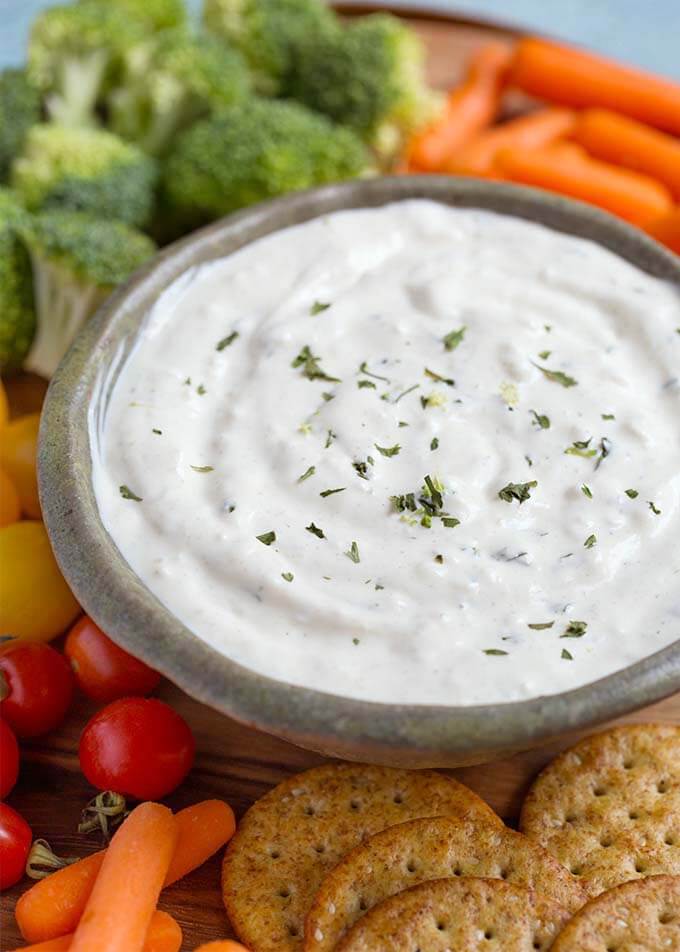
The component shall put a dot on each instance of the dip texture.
(409, 454)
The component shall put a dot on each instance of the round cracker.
(478, 915)
(427, 849)
(288, 840)
(643, 915)
(609, 808)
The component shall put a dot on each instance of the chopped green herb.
(529, 460)
(187, 382)
(541, 420)
(509, 394)
(566, 655)
(434, 492)
(544, 354)
(363, 369)
(362, 384)
(454, 338)
(575, 629)
(305, 428)
(227, 341)
(586, 490)
(388, 450)
(590, 541)
(287, 576)
(317, 307)
(353, 553)
(330, 436)
(331, 492)
(494, 651)
(434, 443)
(541, 625)
(202, 469)
(127, 493)
(403, 502)
(657, 512)
(266, 538)
(157, 432)
(607, 416)
(402, 423)
(307, 473)
(450, 522)
(403, 394)
(518, 491)
(548, 327)
(580, 448)
(632, 493)
(379, 587)
(200, 390)
(439, 559)
(433, 400)
(449, 381)
(355, 641)
(310, 366)
(319, 533)
(604, 451)
(328, 396)
(557, 376)
(361, 468)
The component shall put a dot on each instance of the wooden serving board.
(233, 762)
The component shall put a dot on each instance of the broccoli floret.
(255, 151)
(17, 315)
(157, 14)
(85, 170)
(77, 261)
(19, 110)
(268, 33)
(368, 76)
(74, 55)
(173, 80)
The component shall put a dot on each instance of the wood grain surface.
(233, 762)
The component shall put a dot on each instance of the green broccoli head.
(19, 110)
(77, 261)
(175, 78)
(17, 314)
(268, 33)
(85, 170)
(156, 14)
(74, 54)
(368, 76)
(255, 151)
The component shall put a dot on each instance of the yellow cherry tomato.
(4, 405)
(10, 507)
(18, 457)
(36, 604)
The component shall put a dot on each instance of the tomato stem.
(42, 860)
(104, 812)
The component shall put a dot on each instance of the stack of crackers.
(351, 858)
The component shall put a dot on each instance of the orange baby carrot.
(538, 129)
(469, 109)
(568, 170)
(667, 230)
(222, 945)
(53, 906)
(164, 935)
(123, 899)
(573, 77)
(623, 141)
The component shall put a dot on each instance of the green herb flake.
(200, 390)
(434, 444)
(331, 492)
(652, 506)
(541, 625)
(494, 651)
(328, 396)
(266, 538)
(307, 473)
(318, 307)
(388, 450)
(581, 448)
(157, 432)
(557, 376)
(379, 587)
(227, 341)
(202, 469)
(450, 522)
(353, 553)
(541, 420)
(187, 382)
(405, 392)
(361, 468)
(590, 541)
(566, 655)
(518, 491)
(439, 559)
(319, 533)
(632, 493)
(310, 366)
(287, 576)
(454, 338)
(330, 436)
(544, 354)
(363, 384)
(402, 423)
(586, 490)
(363, 369)
(433, 400)
(355, 641)
(449, 381)
(127, 493)
(404, 502)
(575, 629)
(604, 451)
(607, 416)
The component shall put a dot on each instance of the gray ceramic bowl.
(414, 735)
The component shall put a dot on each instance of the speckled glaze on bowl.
(108, 589)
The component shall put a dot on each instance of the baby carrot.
(222, 945)
(573, 77)
(164, 935)
(534, 131)
(568, 170)
(623, 141)
(469, 109)
(667, 230)
(53, 906)
(123, 899)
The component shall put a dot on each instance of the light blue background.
(642, 32)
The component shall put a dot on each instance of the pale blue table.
(642, 32)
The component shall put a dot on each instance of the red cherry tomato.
(39, 688)
(137, 746)
(9, 759)
(15, 842)
(104, 671)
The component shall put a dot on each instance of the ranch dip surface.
(407, 454)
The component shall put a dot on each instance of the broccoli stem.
(63, 304)
(79, 88)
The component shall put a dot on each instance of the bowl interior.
(415, 735)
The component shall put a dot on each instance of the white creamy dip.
(475, 349)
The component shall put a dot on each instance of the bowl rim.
(109, 591)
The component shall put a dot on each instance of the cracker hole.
(398, 798)
(606, 842)
(293, 931)
(628, 764)
(669, 839)
(612, 948)
(576, 870)
(284, 893)
(488, 934)
(441, 926)
(411, 866)
(363, 905)
(504, 873)
(457, 871)
(320, 848)
(570, 818)
(275, 854)
(354, 804)
(537, 944)
(640, 867)
(662, 786)
(599, 791)
(665, 918)
(633, 815)
(310, 811)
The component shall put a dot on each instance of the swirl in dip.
(407, 454)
